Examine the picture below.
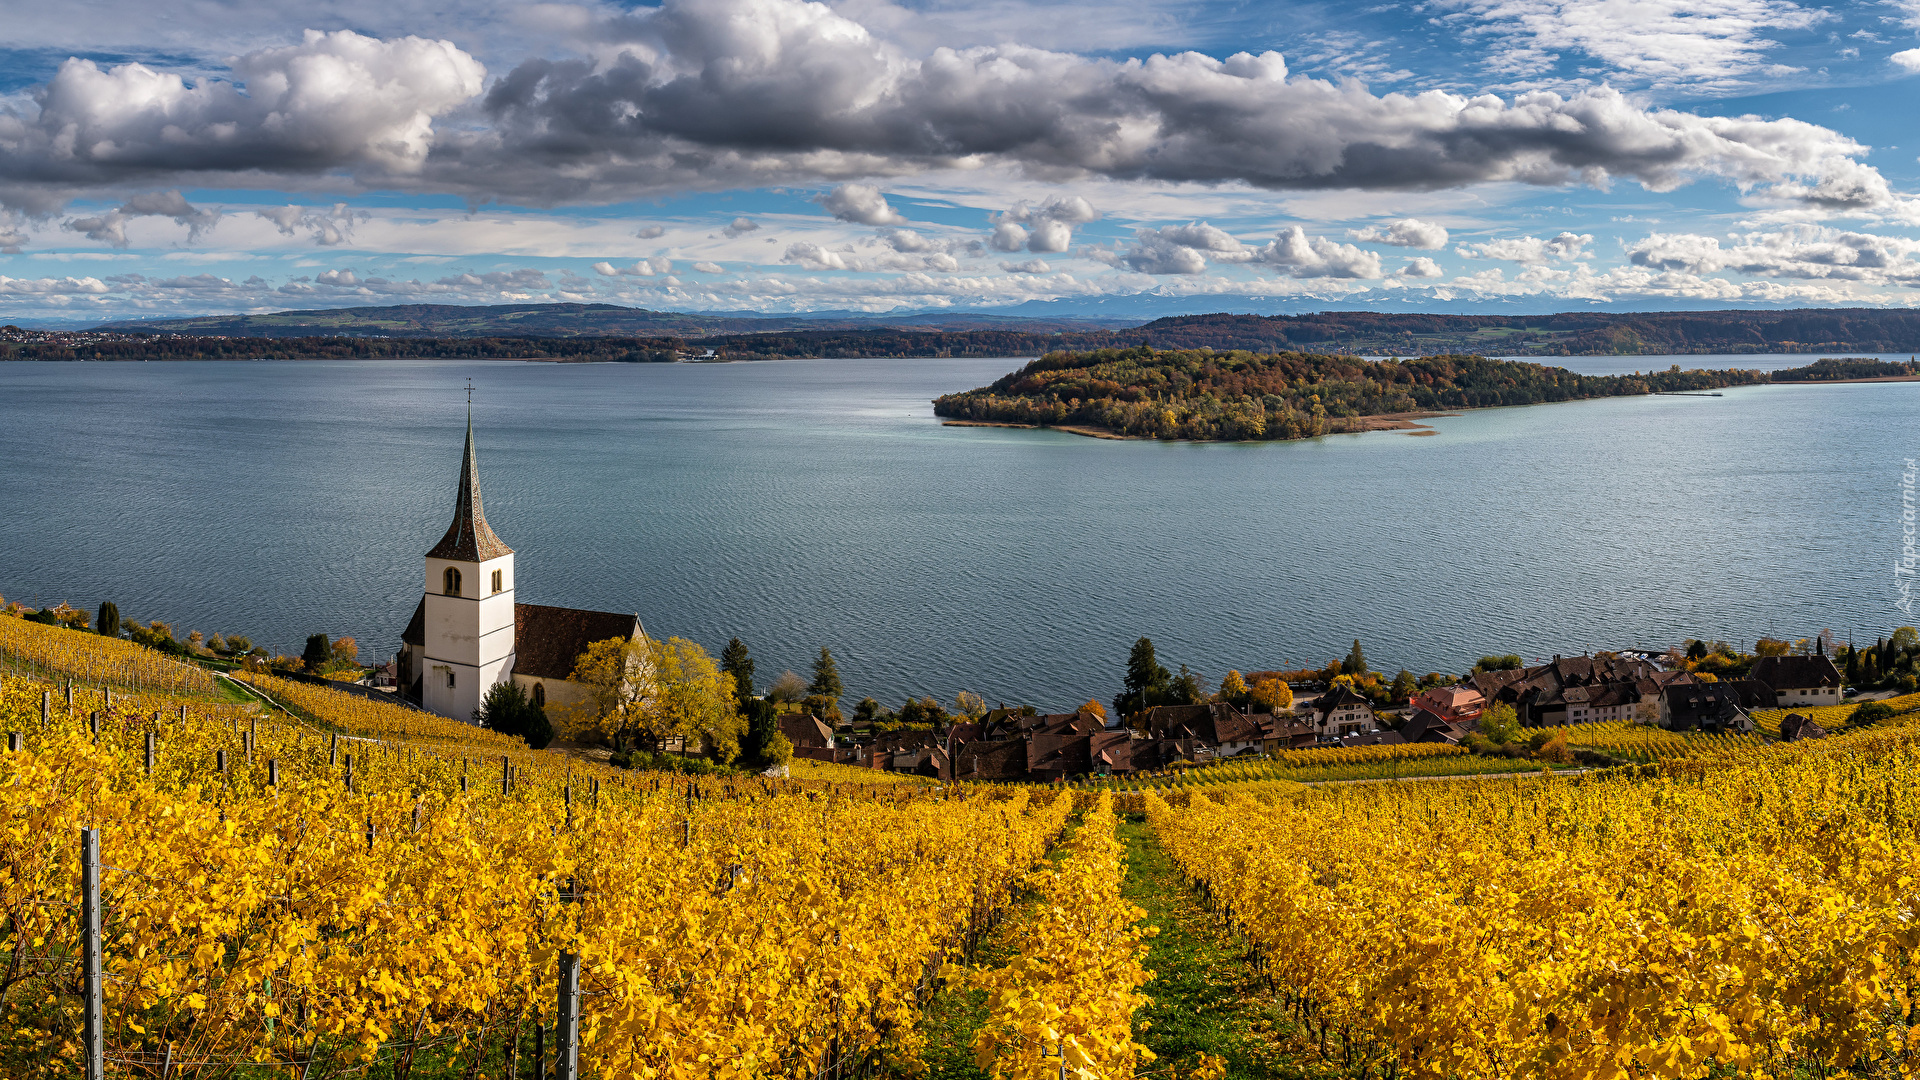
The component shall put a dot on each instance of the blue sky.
(775, 155)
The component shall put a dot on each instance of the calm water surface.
(804, 503)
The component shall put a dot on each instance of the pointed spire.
(469, 538)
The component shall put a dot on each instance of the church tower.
(467, 613)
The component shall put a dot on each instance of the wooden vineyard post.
(46, 709)
(273, 772)
(149, 753)
(94, 1035)
(13, 742)
(506, 776)
(349, 772)
(566, 1032)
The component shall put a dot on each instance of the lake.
(806, 503)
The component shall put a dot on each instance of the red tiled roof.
(548, 640)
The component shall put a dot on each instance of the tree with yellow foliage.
(613, 678)
(1273, 695)
(1093, 706)
(689, 698)
(1234, 690)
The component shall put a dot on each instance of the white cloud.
(1045, 227)
(705, 267)
(1407, 232)
(861, 204)
(1807, 252)
(1318, 257)
(329, 227)
(1663, 43)
(643, 268)
(1421, 267)
(1031, 266)
(1183, 249)
(739, 227)
(1907, 58)
(814, 257)
(650, 232)
(1530, 249)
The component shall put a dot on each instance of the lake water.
(803, 503)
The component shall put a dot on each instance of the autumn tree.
(1093, 706)
(970, 705)
(1234, 690)
(1273, 695)
(787, 688)
(613, 678)
(688, 697)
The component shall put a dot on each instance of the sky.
(870, 155)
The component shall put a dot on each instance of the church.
(468, 634)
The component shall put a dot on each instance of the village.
(1022, 744)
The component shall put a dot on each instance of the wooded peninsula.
(1202, 395)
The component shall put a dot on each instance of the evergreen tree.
(1403, 685)
(826, 677)
(319, 650)
(107, 620)
(508, 710)
(737, 662)
(763, 726)
(1356, 661)
(1187, 688)
(1146, 683)
(1853, 668)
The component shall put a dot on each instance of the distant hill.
(573, 320)
(743, 335)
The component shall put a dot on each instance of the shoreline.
(1357, 425)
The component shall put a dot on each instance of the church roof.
(469, 538)
(547, 640)
(416, 631)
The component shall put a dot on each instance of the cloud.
(334, 101)
(1407, 232)
(1662, 43)
(1908, 59)
(739, 227)
(111, 227)
(709, 268)
(1530, 249)
(330, 227)
(1031, 266)
(814, 257)
(1808, 252)
(643, 268)
(505, 280)
(716, 94)
(650, 232)
(13, 232)
(1318, 257)
(861, 204)
(1421, 267)
(1047, 227)
(343, 278)
(1182, 249)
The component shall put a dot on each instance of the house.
(1454, 704)
(1705, 707)
(1340, 712)
(1286, 733)
(806, 730)
(1377, 737)
(1800, 680)
(1796, 727)
(991, 759)
(1609, 687)
(1110, 752)
(1056, 757)
(1430, 727)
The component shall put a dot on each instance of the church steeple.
(469, 538)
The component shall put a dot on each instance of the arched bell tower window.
(540, 695)
(453, 581)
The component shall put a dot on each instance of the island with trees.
(1203, 395)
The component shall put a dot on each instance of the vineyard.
(276, 897)
(1752, 918)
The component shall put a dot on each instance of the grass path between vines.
(1205, 996)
